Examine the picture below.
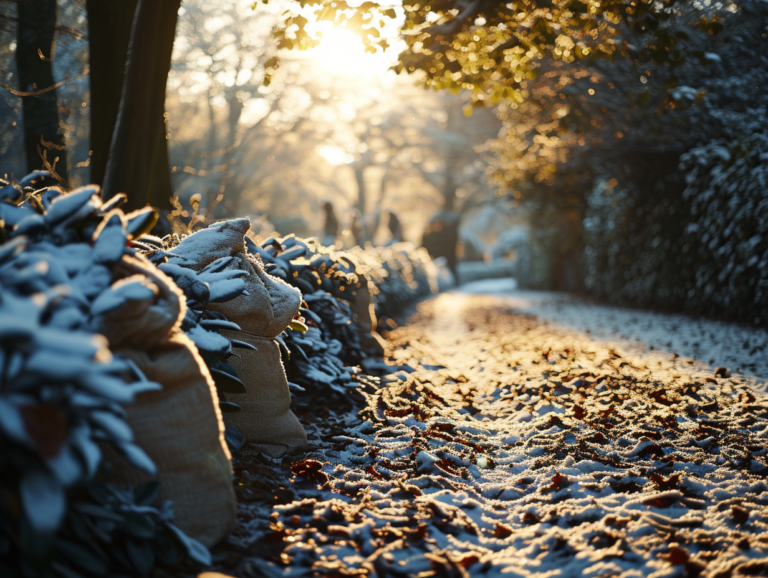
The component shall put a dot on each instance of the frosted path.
(709, 343)
(520, 447)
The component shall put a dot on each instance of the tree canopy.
(494, 48)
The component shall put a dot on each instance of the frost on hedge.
(62, 391)
(677, 212)
(401, 273)
(216, 283)
(727, 187)
(322, 351)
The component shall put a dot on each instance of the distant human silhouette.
(394, 227)
(356, 228)
(331, 227)
(441, 236)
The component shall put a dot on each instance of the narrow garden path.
(523, 447)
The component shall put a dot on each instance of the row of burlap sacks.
(181, 427)
(143, 315)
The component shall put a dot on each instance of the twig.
(48, 88)
(74, 32)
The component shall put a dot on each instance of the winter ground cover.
(710, 344)
(522, 446)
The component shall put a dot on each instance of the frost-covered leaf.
(187, 281)
(243, 345)
(226, 290)
(141, 222)
(130, 289)
(13, 215)
(293, 253)
(195, 549)
(89, 450)
(36, 180)
(227, 383)
(211, 277)
(11, 422)
(66, 466)
(10, 192)
(74, 257)
(117, 201)
(42, 497)
(114, 426)
(219, 264)
(138, 458)
(140, 387)
(12, 248)
(28, 225)
(68, 205)
(209, 341)
(111, 388)
(110, 239)
(79, 344)
(233, 437)
(93, 279)
(97, 511)
(218, 324)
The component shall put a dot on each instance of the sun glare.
(341, 52)
(334, 155)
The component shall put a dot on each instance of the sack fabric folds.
(180, 426)
(263, 311)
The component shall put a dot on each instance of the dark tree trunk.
(36, 43)
(138, 159)
(109, 33)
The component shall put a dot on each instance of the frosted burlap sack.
(266, 419)
(180, 426)
(365, 316)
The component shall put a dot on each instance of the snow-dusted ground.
(711, 344)
(521, 445)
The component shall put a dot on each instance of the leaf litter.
(516, 448)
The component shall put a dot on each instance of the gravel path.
(521, 447)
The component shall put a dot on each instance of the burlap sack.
(365, 317)
(263, 313)
(133, 321)
(269, 306)
(221, 239)
(266, 419)
(179, 427)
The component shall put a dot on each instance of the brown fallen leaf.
(503, 531)
(664, 484)
(740, 515)
(530, 518)
(310, 469)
